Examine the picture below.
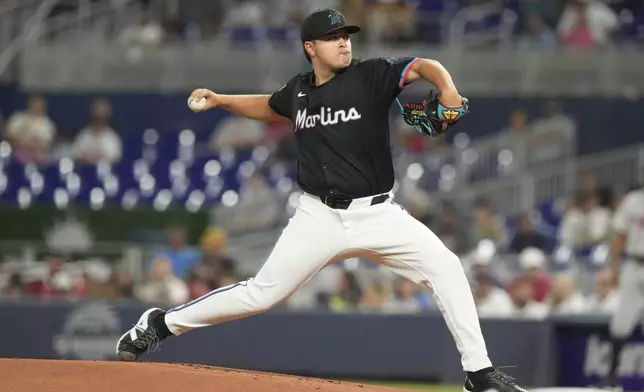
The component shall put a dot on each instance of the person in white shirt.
(586, 223)
(628, 240)
(162, 286)
(605, 298)
(237, 133)
(564, 298)
(31, 132)
(98, 142)
(554, 135)
(523, 304)
(407, 298)
(491, 301)
(147, 32)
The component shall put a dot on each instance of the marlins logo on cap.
(323, 22)
(335, 17)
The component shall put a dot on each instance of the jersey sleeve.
(281, 101)
(622, 214)
(386, 77)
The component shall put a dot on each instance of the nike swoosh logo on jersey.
(301, 95)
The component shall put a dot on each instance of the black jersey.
(342, 127)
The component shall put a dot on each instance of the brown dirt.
(26, 375)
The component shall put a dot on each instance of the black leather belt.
(341, 203)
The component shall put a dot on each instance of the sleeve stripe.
(401, 83)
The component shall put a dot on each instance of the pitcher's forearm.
(254, 107)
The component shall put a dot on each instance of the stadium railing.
(113, 66)
(26, 23)
(530, 187)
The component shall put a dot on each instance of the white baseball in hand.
(197, 105)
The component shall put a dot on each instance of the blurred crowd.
(515, 270)
(34, 137)
(174, 273)
(525, 24)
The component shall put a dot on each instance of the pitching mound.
(25, 375)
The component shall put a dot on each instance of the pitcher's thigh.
(305, 247)
(416, 253)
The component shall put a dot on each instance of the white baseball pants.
(317, 236)
(630, 312)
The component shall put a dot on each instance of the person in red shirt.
(532, 262)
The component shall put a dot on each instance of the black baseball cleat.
(143, 337)
(491, 381)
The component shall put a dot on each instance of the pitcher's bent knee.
(443, 265)
(264, 299)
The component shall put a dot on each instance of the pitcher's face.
(332, 51)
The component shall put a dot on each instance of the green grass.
(416, 386)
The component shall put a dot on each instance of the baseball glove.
(428, 116)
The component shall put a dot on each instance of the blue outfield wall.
(410, 347)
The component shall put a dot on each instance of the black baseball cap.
(323, 22)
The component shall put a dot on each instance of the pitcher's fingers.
(201, 93)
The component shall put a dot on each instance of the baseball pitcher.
(340, 114)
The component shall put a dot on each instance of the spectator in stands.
(554, 135)
(64, 285)
(257, 208)
(526, 236)
(391, 21)
(588, 182)
(199, 281)
(56, 282)
(407, 298)
(486, 224)
(537, 35)
(148, 32)
(106, 281)
(372, 299)
(182, 257)
(513, 136)
(587, 24)
(586, 224)
(512, 139)
(161, 285)
(553, 119)
(564, 298)
(532, 262)
(245, 13)
(347, 295)
(448, 226)
(217, 265)
(14, 288)
(491, 300)
(98, 142)
(524, 306)
(237, 133)
(605, 298)
(546, 10)
(31, 132)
